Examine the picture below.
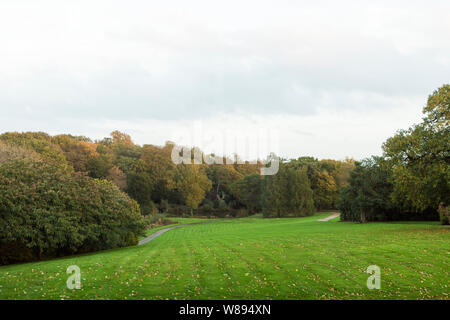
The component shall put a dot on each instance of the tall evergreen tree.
(288, 193)
(300, 195)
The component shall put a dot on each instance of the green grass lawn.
(254, 258)
(177, 221)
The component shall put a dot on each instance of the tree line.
(67, 194)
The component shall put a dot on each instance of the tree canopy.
(412, 178)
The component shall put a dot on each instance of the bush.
(48, 211)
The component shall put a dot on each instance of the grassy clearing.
(253, 258)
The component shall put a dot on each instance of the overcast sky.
(330, 79)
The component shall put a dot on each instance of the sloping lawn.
(254, 258)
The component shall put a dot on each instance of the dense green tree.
(420, 157)
(299, 193)
(99, 167)
(288, 193)
(248, 191)
(367, 198)
(140, 187)
(326, 178)
(273, 195)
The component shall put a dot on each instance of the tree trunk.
(363, 216)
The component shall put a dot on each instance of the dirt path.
(334, 215)
(160, 232)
